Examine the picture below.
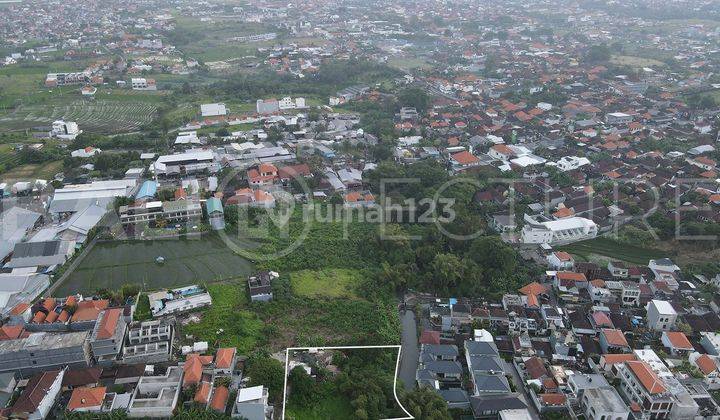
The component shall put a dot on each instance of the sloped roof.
(202, 395)
(430, 337)
(706, 364)
(679, 340)
(109, 323)
(219, 399)
(34, 392)
(615, 338)
(649, 379)
(533, 288)
(86, 397)
(224, 357)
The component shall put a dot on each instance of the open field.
(333, 283)
(613, 249)
(187, 261)
(209, 40)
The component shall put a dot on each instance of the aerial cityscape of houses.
(144, 146)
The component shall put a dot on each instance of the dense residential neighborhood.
(360, 210)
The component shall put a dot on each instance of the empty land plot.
(328, 283)
(112, 264)
(44, 171)
(613, 249)
(634, 61)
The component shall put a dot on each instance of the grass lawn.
(330, 407)
(610, 248)
(333, 283)
(187, 261)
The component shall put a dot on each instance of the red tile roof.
(552, 399)
(649, 379)
(533, 288)
(465, 158)
(224, 357)
(706, 364)
(89, 310)
(109, 323)
(679, 340)
(203, 393)
(34, 392)
(611, 359)
(219, 399)
(615, 338)
(86, 398)
(193, 370)
(10, 332)
(19, 308)
(569, 275)
(430, 337)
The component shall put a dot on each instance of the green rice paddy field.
(187, 261)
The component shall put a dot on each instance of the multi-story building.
(152, 211)
(65, 130)
(252, 404)
(558, 232)
(39, 396)
(630, 294)
(141, 83)
(660, 315)
(179, 300)
(45, 351)
(260, 286)
(156, 396)
(148, 341)
(642, 386)
(107, 337)
(603, 403)
(710, 342)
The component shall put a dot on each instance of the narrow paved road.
(410, 353)
(522, 392)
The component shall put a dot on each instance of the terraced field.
(100, 116)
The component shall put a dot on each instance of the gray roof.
(605, 400)
(250, 411)
(486, 363)
(41, 254)
(491, 383)
(84, 220)
(14, 224)
(478, 348)
(444, 366)
(439, 349)
(44, 341)
(454, 395)
(495, 403)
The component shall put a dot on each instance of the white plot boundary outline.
(397, 367)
